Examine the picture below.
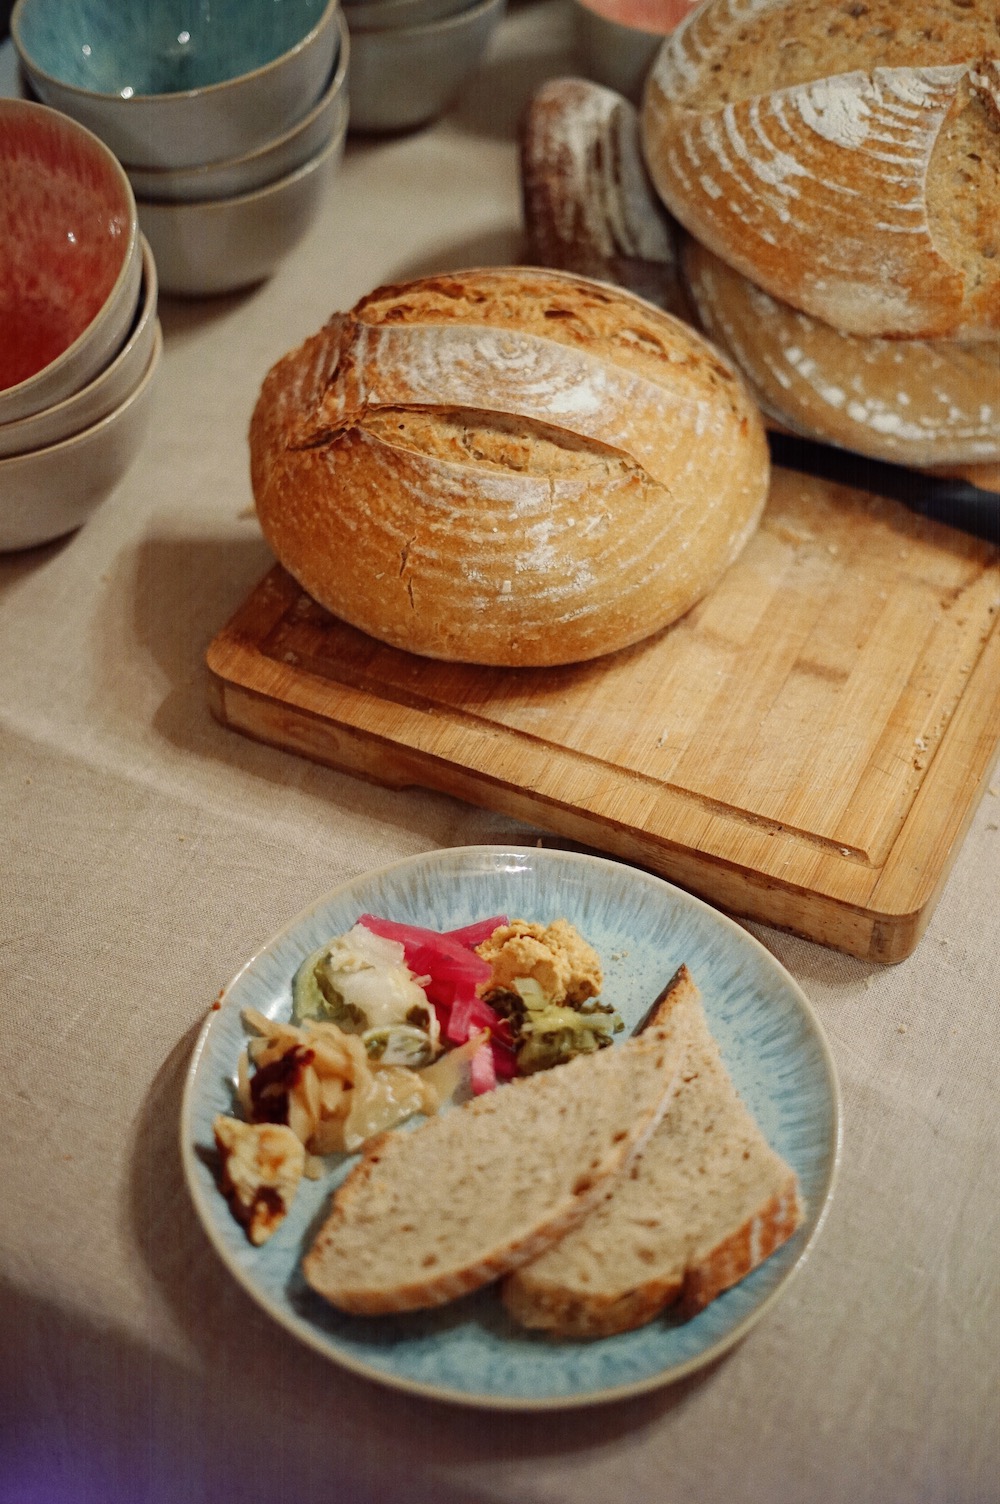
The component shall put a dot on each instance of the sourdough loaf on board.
(507, 466)
(842, 154)
(704, 1204)
(913, 402)
(589, 206)
(432, 1214)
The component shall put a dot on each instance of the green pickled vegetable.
(315, 995)
(399, 1044)
(547, 1033)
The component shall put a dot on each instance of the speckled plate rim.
(501, 861)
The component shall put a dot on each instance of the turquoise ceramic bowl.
(174, 83)
(255, 169)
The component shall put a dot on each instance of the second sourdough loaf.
(589, 206)
(842, 154)
(507, 466)
(922, 403)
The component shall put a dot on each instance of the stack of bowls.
(410, 58)
(229, 117)
(79, 338)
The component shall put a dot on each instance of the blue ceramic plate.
(642, 928)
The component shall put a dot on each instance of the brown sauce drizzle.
(271, 1084)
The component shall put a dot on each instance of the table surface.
(147, 852)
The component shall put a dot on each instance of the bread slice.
(432, 1214)
(707, 1201)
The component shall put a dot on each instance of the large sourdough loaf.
(432, 1214)
(706, 1202)
(507, 466)
(842, 154)
(913, 402)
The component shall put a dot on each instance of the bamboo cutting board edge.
(877, 929)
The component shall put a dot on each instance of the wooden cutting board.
(806, 747)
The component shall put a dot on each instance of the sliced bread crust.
(432, 1214)
(705, 1203)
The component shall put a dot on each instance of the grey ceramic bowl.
(220, 245)
(137, 76)
(101, 396)
(51, 491)
(276, 159)
(407, 75)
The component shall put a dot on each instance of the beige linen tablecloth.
(146, 853)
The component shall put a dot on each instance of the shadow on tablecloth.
(244, 1407)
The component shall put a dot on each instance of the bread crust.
(507, 466)
(912, 402)
(563, 1313)
(743, 1251)
(845, 157)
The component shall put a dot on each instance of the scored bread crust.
(843, 156)
(472, 1193)
(913, 402)
(507, 466)
(568, 1294)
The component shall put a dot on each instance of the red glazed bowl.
(70, 257)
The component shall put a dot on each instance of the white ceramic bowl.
(70, 257)
(102, 395)
(221, 245)
(407, 75)
(49, 492)
(276, 159)
(182, 127)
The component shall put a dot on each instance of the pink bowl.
(70, 259)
